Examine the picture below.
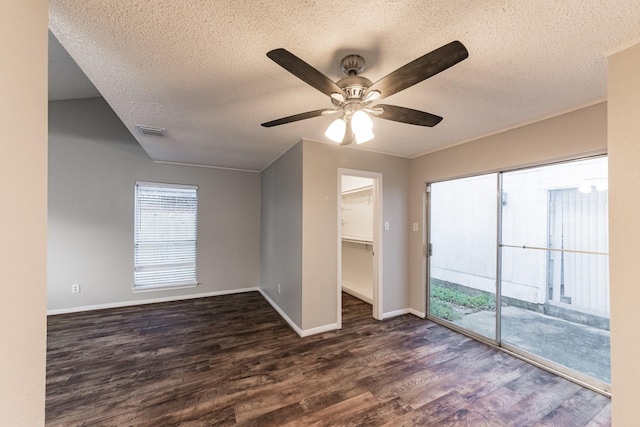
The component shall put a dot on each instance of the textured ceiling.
(198, 67)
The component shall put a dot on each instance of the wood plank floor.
(231, 360)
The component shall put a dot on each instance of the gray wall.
(94, 163)
(320, 228)
(281, 233)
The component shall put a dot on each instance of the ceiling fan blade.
(296, 117)
(420, 69)
(304, 71)
(405, 115)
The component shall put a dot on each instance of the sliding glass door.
(462, 277)
(537, 238)
(555, 270)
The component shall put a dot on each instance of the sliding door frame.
(498, 341)
(428, 253)
(536, 360)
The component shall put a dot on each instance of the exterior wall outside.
(525, 222)
(460, 234)
(94, 163)
(281, 233)
(624, 233)
(572, 135)
(23, 216)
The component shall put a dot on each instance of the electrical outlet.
(278, 287)
(415, 226)
(75, 288)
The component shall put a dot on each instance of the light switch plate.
(386, 226)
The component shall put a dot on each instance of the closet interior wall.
(357, 239)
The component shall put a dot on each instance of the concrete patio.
(581, 348)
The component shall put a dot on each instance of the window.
(165, 235)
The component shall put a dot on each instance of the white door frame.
(377, 241)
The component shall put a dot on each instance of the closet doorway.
(359, 238)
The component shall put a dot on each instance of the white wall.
(281, 233)
(575, 134)
(23, 212)
(320, 228)
(357, 213)
(624, 233)
(357, 224)
(350, 183)
(463, 232)
(94, 163)
(357, 270)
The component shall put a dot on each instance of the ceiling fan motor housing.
(352, 65)
(354, 87)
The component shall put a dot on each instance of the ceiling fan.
(353, 95)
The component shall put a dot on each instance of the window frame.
(190, 280)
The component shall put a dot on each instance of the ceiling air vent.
(151, 131)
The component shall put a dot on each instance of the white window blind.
(165, 236)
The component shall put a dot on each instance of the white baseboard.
(395, 313)
(147, 301)
(302, 333)
(358, 291)
(403, 311)
(415, 312)
(281, 313)
(319, 329)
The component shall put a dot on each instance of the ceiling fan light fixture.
(361, 122)
(336, 130)
(364, 136)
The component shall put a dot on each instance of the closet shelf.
(357, 190)
(357, 240)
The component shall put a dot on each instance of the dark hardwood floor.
(232, 360)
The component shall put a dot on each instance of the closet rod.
(357, 190)
(356, 240)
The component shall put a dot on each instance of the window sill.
(152, 288)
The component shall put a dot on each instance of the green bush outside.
(443, 302)
(443, 310)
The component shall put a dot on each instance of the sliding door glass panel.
(462, 265)
(555, 264)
